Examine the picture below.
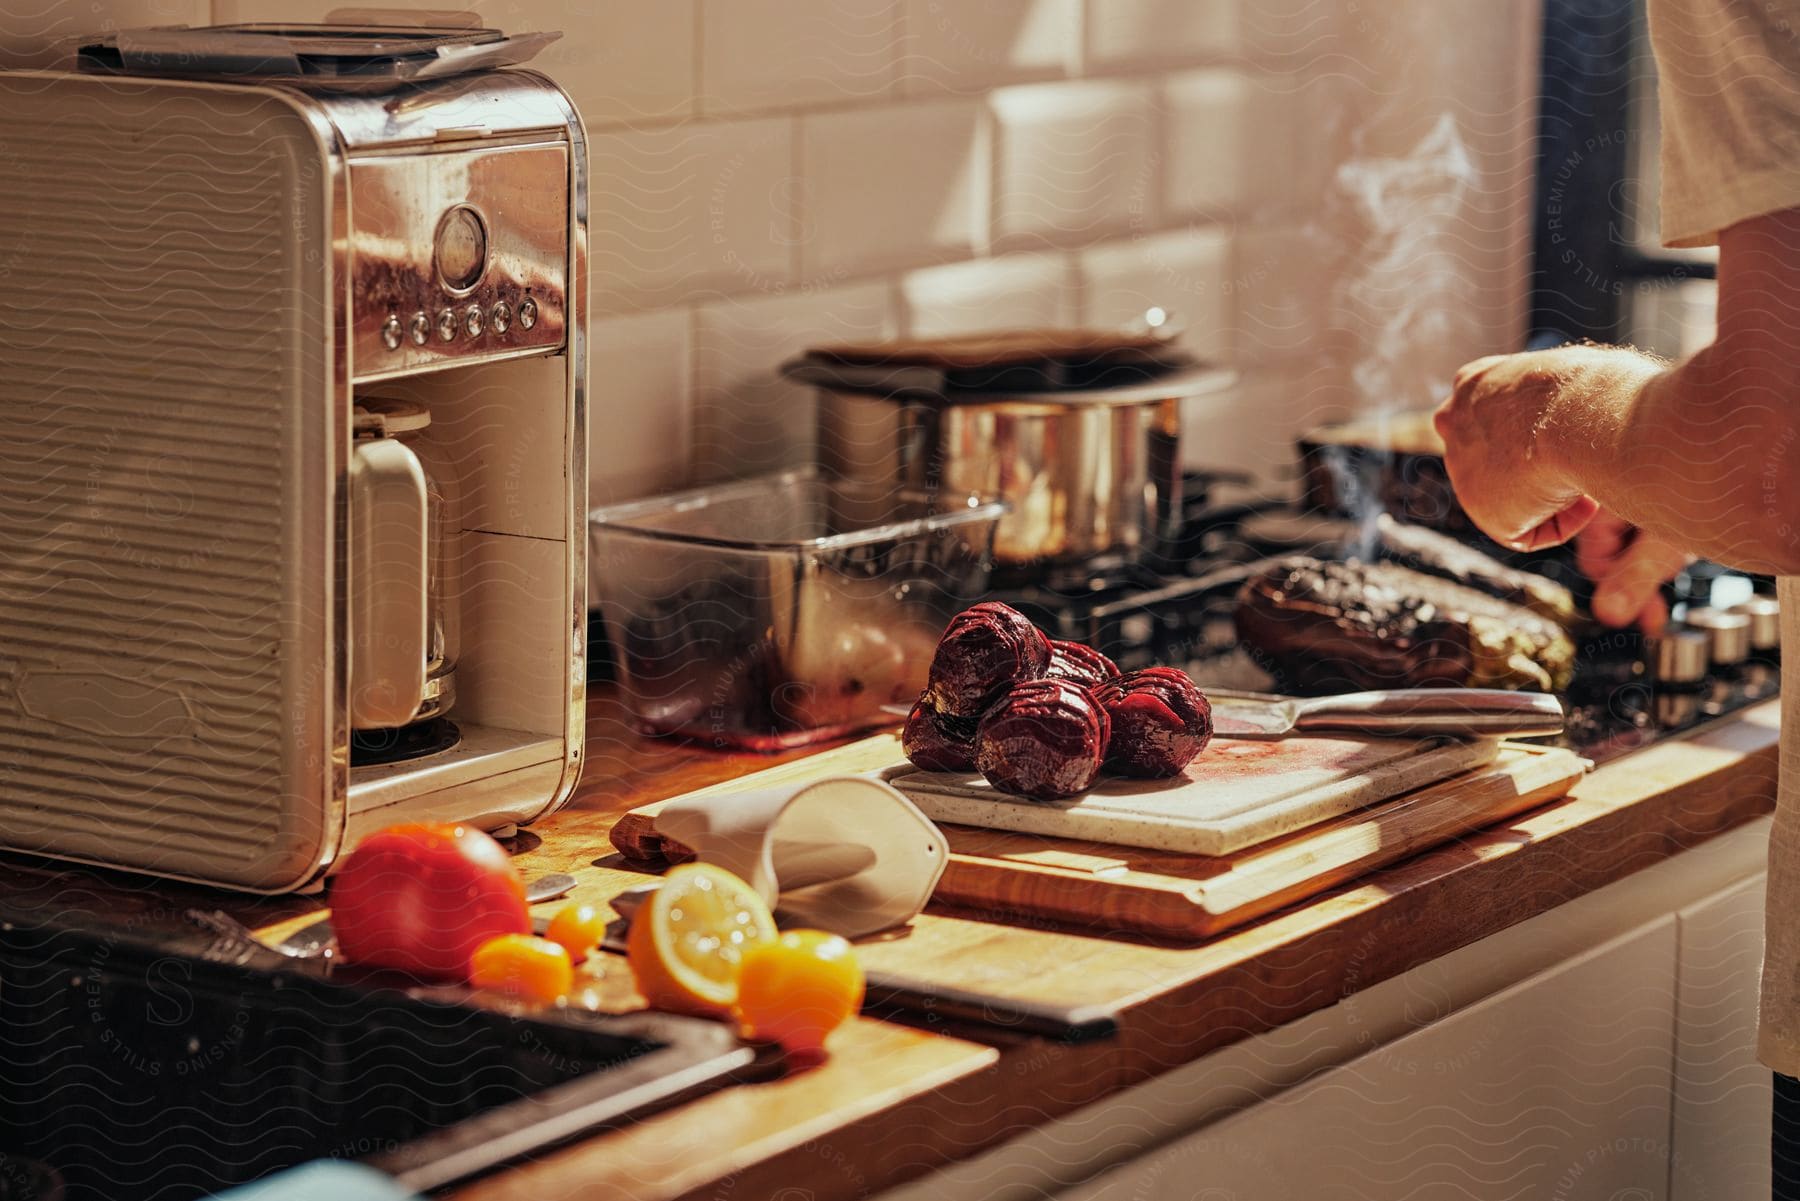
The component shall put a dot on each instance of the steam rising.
(1409, 278)
(1404, 289)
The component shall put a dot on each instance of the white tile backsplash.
(957, 46)
(1286, 286)
(690, 211)
(770, 173)
(748, 419)
(1185, 272)
(1253, 427)
(640, 402)
(1298, 35)
(758, 54)
(890, 187)
(1010, 292)
(1210, 151)
(621, 62)
(1160, 32)
(1074, 162)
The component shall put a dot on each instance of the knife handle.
(1461, 712)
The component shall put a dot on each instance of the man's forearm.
(1702, 453)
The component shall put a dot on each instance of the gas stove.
(1179, 612)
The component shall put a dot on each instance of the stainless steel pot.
(1086, 474)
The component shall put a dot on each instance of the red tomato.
(421, 898)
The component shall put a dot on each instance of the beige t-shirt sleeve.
(1729, 87)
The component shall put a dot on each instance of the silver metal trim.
(575, 343)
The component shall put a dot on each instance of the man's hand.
(1504, 429)
(1628, 568)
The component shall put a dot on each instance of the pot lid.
(1118, 386)
(355, 50)
(1034, 360)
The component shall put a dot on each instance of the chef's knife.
(928, 1001)
(1398, 713)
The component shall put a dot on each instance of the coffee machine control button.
(390, 332)
(419, 329)
(527, 313)
(474, 320)
(446, 325)
(501, 318)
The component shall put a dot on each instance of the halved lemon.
(687, 943)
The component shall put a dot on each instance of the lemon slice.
(688, 941)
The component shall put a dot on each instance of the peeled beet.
(936, 742)
(1044, 739)
(984, 651)
(1079, 663)
(1160, 721)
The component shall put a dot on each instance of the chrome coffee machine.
(292, 446)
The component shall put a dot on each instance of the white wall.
(771, 173)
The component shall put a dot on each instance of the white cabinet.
(1556, 1088)
(1603, 1049)
(1721, 1103)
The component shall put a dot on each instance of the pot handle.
(389, 610)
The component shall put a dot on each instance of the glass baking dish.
(782, 610)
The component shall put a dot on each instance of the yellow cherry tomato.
(797, 989)
(579, 928)
(534, 968)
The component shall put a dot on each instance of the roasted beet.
(1160, 721)
(1044, 739)
(984, 651)
(936, 742)
(1079, 663)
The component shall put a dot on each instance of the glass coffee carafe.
(404, 572)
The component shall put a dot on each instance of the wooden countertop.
(895, 1101)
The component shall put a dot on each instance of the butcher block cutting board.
(1235, 794)
(1163, 894)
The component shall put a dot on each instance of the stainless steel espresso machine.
(292, 445)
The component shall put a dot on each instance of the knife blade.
(928, 1001)
(1395, 713)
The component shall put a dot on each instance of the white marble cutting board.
(1235, 794)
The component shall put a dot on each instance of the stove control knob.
(500, 320)
(419, 329)
(1764, 613)
(446, 324)
(527, 313)
(1729, 634)
(474, 320)
(1677, 657)
(390, 332)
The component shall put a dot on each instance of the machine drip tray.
(372, 748)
